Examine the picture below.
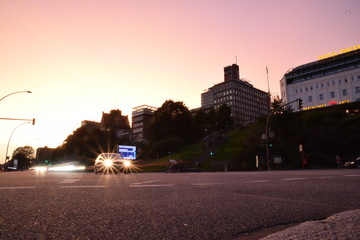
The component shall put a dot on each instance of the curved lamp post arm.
(7, 148)
(15, 93)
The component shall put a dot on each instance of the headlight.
(41, 169)
(108, 163)
(127, 163)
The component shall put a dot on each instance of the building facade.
(141, 116)
(246, 102)
(334, 80)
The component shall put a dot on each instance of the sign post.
(302, 156)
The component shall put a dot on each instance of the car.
(111, 163)
(353, 164)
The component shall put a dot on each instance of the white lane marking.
(151, 185)
(139, 183)
(354, 175)
(292, 179)
(146, 184)
(10, 188)
(323, 177)
(85, 186)
(258, 181)
(70, 180)
(206, 184)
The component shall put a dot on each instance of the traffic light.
(300, 103)
(212, 152)
(33, 121)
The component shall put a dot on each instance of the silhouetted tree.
(24, 156)
(173, 123)
(278, 108)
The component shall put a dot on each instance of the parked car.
(353, 164)
(111, 163)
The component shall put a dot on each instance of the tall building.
(117, 123)
(246, 102)
(44, 153)
(141, 116)
(334, 80)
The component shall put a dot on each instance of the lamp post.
(267, 132)
(7, 148)
(15, 93)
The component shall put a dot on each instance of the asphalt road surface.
(231, 205)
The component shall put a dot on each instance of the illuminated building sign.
(324, 105)
(345, 50)
(128, 152)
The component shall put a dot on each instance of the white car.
(111, 163)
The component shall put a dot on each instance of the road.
(231, 205)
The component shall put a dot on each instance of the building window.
(321, 96)
(344, 91)
(332, 94)
(310, 98)
(357, 89)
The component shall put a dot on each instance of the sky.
(80, 58)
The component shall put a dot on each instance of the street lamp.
(15, 93)
(7, 148)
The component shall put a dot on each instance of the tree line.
(173, 127)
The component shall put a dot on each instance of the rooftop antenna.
(236, 59)
(267, 76)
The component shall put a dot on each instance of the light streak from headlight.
(66, 168)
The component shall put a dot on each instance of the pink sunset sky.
(82, 57)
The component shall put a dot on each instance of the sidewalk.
(344, 225)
